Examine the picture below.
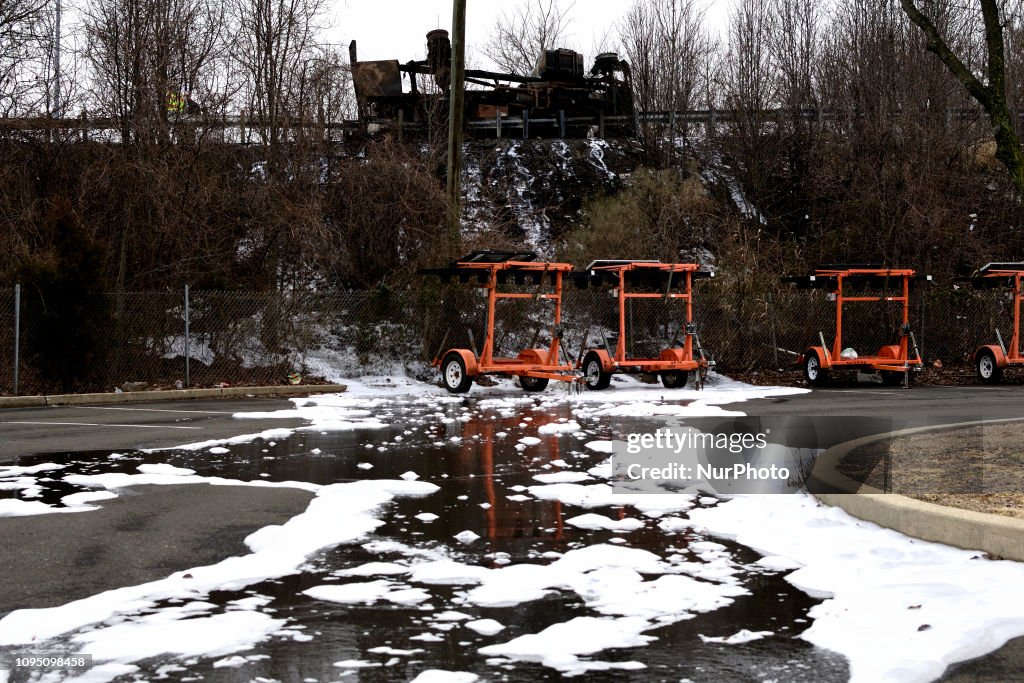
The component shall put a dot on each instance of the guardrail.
(501, 126)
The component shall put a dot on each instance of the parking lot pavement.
(143, 535)
(926, 404)
(60, 429)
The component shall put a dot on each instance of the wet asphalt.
(65, 429)
(143, 535)
(61, 429)
(149, 532)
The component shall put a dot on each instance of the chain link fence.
(103, 341)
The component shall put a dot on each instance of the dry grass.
(978, 468)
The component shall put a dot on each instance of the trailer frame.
(489, 270)
(673, 364)
(990, 360)
(893, 361)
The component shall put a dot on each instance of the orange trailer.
(992, 359)
(631, 280)
(490, 270)
(893, 361)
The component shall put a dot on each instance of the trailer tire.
(815, 374)
(988, 369)
(453, 373)
(533, 384)
(594, 374)
(674, 379)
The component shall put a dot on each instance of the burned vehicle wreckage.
(559, 99)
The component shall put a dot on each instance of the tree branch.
(938, 45)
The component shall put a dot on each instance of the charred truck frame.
(559, 99)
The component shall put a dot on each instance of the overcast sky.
(396, 29)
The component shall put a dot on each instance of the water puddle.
(483, 459)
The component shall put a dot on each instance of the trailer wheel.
(453, 371)
(594, 373)
(674, 379)
(533, 384)
(815, 374)
(989, 371)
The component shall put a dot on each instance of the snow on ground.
(367, 401)
(12, 507)
(442, 676)
(899, 609)
(559, 646)
(178, 631)
(113, 623)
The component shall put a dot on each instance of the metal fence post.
(17, 334)
(188, 379)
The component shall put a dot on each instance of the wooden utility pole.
(456, 96)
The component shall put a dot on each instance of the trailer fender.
(997, 351)
(534, 356)
(673, 355)
(890, 351)
(472, 369)
(606, 360)
(824, 358)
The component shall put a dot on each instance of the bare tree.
(274, 42)
(987, 88)
(750, 70)
(322, 93)
(22, 41)
(1015, 58)
(794, 44)
(518, 39)
(149, 58)
(668, 48)
(750, 87)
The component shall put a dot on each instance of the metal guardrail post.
(188, 379)
(17, 334)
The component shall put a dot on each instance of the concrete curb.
(996, 535)
(169, 395)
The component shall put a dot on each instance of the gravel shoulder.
(979, 468)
